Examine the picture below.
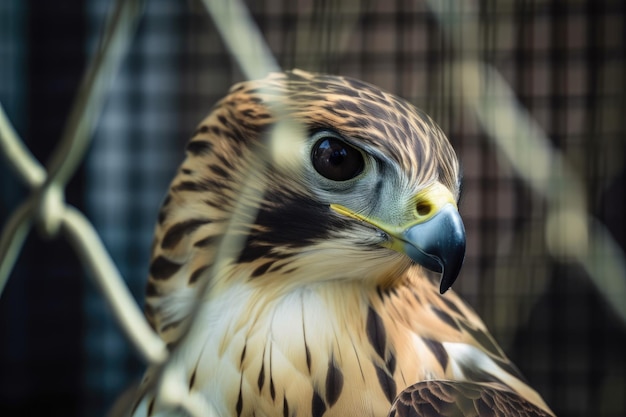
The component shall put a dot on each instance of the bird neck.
(331, 346)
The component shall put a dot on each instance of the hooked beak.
(438, 244)
(435, 238)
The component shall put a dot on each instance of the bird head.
(352, 183)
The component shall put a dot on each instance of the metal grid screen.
(550, 290)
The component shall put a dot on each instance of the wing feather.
(461, 399)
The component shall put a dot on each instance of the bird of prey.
(334, 302)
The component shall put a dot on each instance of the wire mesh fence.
(531, 94)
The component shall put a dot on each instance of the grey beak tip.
(446, 282)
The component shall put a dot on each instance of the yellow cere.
(430, 200)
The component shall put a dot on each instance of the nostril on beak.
(423, 208)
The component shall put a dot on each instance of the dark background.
(565, 60)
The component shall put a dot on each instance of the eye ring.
(335, 159)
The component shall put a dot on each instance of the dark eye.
(335, 159)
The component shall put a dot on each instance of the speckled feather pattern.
(461, 399)
(313, 317)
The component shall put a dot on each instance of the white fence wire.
(46, 206)
(482, 88)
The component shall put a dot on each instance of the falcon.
(333, 299)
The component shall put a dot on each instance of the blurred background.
(564, 60)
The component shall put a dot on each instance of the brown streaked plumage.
(328, 309)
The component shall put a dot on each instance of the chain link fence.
(530, 93)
